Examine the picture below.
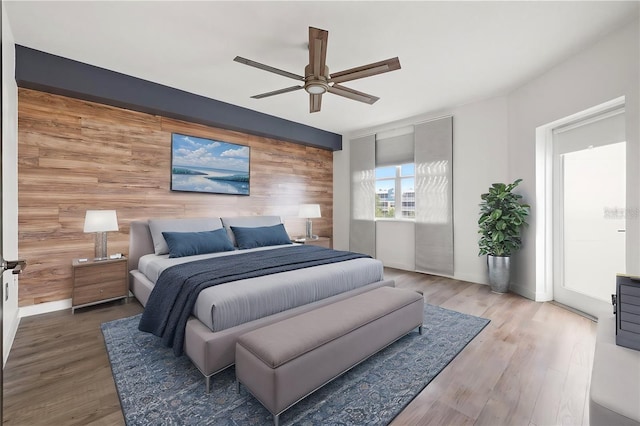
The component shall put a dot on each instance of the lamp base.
(309, 230)
(101, 246)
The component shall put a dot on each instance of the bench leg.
(237, 386)
(276, 419)
(420, 329)
(207, 384)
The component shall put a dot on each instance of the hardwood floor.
(530, 366)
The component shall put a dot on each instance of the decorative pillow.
(247, 222)
(158, 226)
(191, 243)
(260, 236)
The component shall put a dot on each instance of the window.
(393, 180)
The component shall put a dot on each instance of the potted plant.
(502, 216)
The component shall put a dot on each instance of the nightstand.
(320, 241)
(99, 281)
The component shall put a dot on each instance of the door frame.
(2, 268)
(543, 208)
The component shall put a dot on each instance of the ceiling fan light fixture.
(316, 87)
(318, 81)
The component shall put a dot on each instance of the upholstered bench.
(283, 362)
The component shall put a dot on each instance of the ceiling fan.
(317, 79)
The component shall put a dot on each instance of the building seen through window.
(393, 180)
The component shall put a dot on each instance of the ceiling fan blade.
(277, 92)
(336, 89)
(366, 70)
(267, 68)
(315, 102)
(317, 50)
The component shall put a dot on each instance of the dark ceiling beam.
(55, 74)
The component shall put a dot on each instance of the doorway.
(589, 204)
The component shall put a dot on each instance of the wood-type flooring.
(530, 366)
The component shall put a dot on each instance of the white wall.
(604, 71)
(9, 185)
(494, 140)
(479, 159)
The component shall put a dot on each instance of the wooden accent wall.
(76, 155)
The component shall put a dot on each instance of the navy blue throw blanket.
(174, 295)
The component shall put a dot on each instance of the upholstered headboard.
(141, 240)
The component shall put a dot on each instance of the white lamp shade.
(100, 221)
(309, 211)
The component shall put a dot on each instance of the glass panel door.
(589, 220)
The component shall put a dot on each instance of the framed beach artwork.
(208, 165)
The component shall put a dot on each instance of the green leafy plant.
(502, 216)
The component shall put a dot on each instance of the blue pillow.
(261, 236)
(191, 243)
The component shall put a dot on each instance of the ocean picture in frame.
(208, 165)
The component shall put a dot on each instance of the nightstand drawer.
(101, 291)
(98, 273)
(99, 281)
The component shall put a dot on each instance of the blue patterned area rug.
(156, 388)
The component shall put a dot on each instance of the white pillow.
(158, 226)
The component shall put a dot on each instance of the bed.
(223, 312)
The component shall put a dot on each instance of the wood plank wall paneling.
(76, 155)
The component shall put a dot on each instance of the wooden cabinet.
(320, 241)
(99, 281)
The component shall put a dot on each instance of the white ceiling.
(451, 53)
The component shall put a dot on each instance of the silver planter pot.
(498, 273)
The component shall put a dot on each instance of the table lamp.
(101, 222)
(309, 211)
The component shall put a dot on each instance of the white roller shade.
(395, 147)
(603, 129)
(434, 196)
(362, 230)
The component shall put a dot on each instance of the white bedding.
(227, 305)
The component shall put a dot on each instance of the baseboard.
(470, 278)
(43, 308)
(524, 292)
(400, 266)
(9, 336)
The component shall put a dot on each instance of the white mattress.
(227, 305)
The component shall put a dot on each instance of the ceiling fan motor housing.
(316, 84)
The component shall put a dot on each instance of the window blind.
(600, 130)
(362, 229)
(393, 148)
(434, 196)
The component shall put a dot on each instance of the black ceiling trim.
(54, 74)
